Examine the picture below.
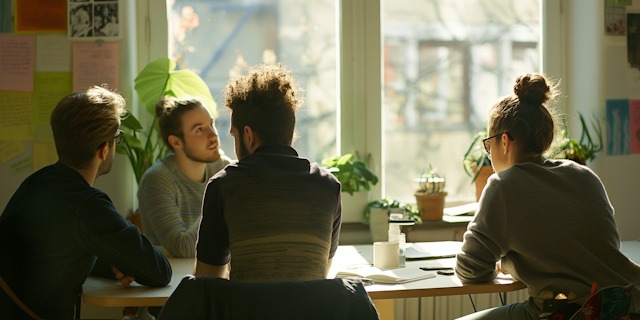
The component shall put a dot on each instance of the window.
(220, 39)
(445, 63)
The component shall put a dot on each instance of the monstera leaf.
(159, 78)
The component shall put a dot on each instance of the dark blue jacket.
(50, 234)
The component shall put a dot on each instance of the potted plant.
(476, 162)
(356, 180)
(430, 195)
(377, 213)
(583, 150)
(143, 145)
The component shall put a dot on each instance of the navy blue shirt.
(50, 234)
(274, 215)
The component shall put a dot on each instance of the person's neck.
(194, 170)
(90, 173)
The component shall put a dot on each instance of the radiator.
(451, 307)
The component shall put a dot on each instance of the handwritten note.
(44, 154)
(48, 89)
(634, 126)
(10, 150)
(15, 115)
(53, 53)
(95, 65)
(22, 164)
(16, 63)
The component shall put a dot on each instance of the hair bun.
(162, 105)
(532, 87)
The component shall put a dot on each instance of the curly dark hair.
(266, 100)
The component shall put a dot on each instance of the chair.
(213, 298)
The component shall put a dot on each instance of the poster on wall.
(94, 19)
(618, 127)
(614, 19)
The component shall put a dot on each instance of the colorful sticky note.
(16, 63)
(95, 64)
(48, 89)
(41, 16)
(618, 127)
(44, 154)
(22, 164)
(53, 53)
(10, 150)
(15, 115)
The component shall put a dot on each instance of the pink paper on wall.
(95, 64)
(16, 63)
(634, 126)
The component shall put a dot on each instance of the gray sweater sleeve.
(476, 262)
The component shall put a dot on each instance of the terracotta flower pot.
(431, 205)
(481, 180)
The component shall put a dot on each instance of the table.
(110, 293)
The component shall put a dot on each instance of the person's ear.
(103, 151)
(251, 140)
(507, 144)
(175, 142)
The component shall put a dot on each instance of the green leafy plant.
(476, 156)
(142, 145)
(389, 204)
(583, 150)
(353, 174)
(431, 182)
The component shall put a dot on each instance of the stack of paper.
(393, 276)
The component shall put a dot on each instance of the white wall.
(595, 69)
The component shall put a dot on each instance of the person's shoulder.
(217, 165)
(316, 169)
(160, 169)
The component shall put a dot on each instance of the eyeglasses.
(487, 146)
(118, 138)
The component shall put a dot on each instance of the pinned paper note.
(48, 89)
(10, 150)
(618, 127)
(94, 65)
(15, 115)
(22, 164)
(44, 154)
(53, 53)
(16, 63)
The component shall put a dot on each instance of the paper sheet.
(94, 65)
(10, 150)
(53, 53)
(15, 115)
(16, 63)
(22, 164)
(48, 89)
(618, 127)
(41, 16)
(44, 154)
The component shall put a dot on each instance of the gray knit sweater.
(551, 224)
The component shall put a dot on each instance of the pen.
(435, 268)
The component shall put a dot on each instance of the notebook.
(393, 276)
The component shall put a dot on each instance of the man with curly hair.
(272, 216)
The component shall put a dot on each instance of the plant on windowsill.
(583, 150)
(356, 180)
(143, 144)
(430, 195)
(377, 213)
(476, 162)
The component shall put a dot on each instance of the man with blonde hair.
(56, 223)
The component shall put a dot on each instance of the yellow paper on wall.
(44, 154)
(48, 89)
(10, 150)
(15, 116)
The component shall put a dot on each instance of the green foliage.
(431, 182)
(476, 156)
(143, 146)
(583, 150)
(353, 174)
(387, 203)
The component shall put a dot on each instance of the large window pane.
(221, 39)
(445, 63)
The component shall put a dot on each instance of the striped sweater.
(170, 205)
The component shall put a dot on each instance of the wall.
(595, 69)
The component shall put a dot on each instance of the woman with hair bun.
(548, 223)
